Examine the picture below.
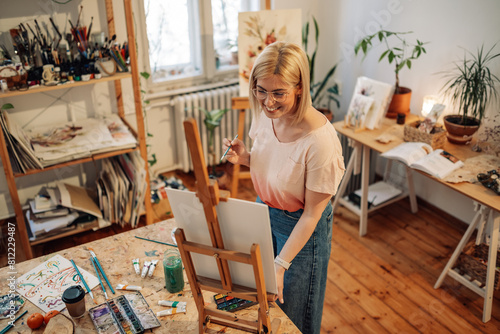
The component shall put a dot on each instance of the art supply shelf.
(42, 89)
(22, 237)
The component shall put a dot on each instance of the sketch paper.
(242, 224)
(256, 30)
(45, 284)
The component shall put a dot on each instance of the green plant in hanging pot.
(471, 86)
(399, 52)
(320, 90)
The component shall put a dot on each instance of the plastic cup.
(172, 267)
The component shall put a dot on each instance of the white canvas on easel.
(242, 223)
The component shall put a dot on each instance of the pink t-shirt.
(281, 172)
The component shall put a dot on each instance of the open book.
(421, 156)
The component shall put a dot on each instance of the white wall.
(447, 25)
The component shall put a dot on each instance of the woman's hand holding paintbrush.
(236, 152)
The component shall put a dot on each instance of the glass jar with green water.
(172, 266)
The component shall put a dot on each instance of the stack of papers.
(50, 145)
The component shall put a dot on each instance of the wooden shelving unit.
(26, 244)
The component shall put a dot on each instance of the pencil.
(83, 280)
(228, 148)
(99, 277)
(6, 329)
(163, 243)
(102, 270)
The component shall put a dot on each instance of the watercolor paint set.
(231, 304)
(125, 314)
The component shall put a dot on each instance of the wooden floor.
(380, 283)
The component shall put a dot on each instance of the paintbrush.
(90, 27)
(83, 281)
(100, 268)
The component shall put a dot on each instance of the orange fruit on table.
(35, 320)
(49, 315)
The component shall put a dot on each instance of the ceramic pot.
(400, 103)
(458, 133)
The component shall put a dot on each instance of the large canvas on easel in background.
(242, 223)
(256, 30)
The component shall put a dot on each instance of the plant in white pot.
(400, 52)
(320, 90)
(470, 87)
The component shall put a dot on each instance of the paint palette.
(126, 314)
(231, 304)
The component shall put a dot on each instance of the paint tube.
(128, 287)
(173, 310)
(137, 266)
(152, 267)
(171, 303)
(145, 268)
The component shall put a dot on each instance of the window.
(193, 38)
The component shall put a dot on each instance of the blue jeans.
(305, 281)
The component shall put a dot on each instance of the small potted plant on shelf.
(471, 87)
(401, 53)
(320, 89)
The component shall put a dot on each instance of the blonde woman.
(296, 166)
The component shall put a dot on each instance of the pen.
(99, 277)
(83, 280)
(228, 148)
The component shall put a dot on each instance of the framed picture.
(366, 90)
(256, 30)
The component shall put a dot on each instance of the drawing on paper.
(45, 284)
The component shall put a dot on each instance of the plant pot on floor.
(327, 112)
(460, 131)
(400, 103)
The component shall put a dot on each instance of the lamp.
(429, 102)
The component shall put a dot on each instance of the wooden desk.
(115, 254)
(487, 202)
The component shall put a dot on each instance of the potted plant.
(402, 53)
(470, 86)
(212, 121)
(319, 90)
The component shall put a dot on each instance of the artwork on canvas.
(45, 284)
(379, 92)
(358, 109)
(258, 29)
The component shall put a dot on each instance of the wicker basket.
(436, 139)
(13, 78)
(473, 262)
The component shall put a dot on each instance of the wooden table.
(487, 202)
(115, 254)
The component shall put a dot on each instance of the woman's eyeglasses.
(261, 94)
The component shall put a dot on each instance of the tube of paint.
(152, 267)
(171, 303)
(137, 266)
(128, 287)
(170, 311)
(145, 268)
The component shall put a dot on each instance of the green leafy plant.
(212, 121)
(152, 159)
(7, 106)
(319, 90)
(471, 84)
(400, 52)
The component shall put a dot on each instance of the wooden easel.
(241, 104)
(209, 195)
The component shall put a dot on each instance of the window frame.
(205, 27)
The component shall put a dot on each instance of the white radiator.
(187, 106)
